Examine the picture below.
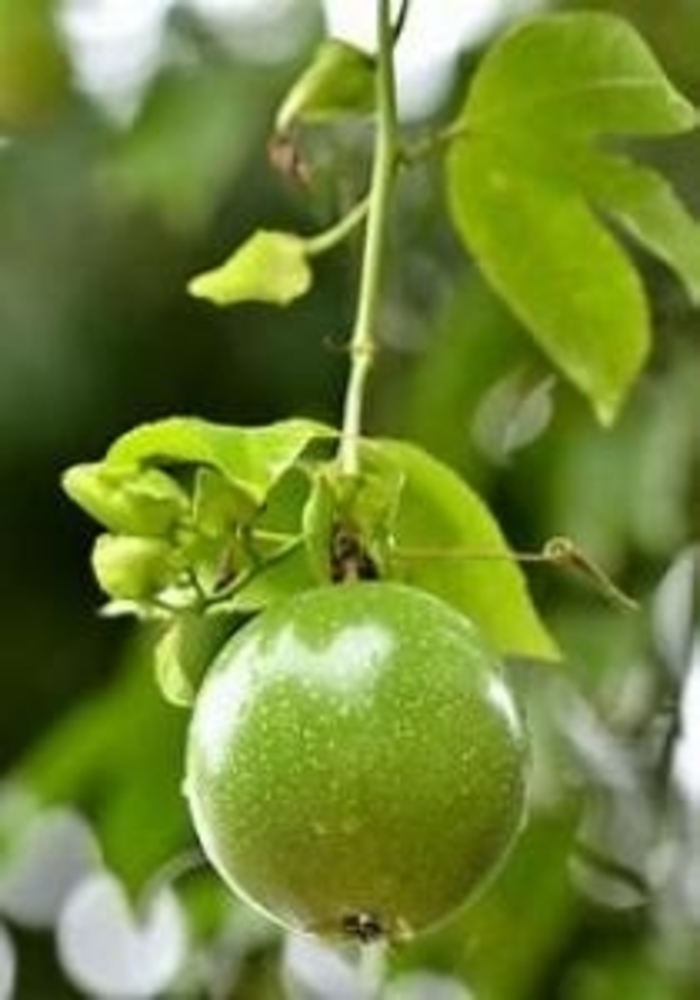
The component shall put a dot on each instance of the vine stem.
(329, 238)
(386, 156)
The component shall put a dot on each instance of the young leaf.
(251, 459)
(448, 542)
(338, 81)
(537, 104)
(183, 653)
(268, 267)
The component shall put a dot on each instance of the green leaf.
(559, 269)
(268, 267)
(338, 81)
(649, 209)
(183, 653)
(318, 518)
(537, 104)
(447, 542)
(217, 506)
(278, 562)
(251, 459)
(577, 74)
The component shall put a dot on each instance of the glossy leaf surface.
(538, 102)
(447, 541)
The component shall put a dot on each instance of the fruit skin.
(356, 764)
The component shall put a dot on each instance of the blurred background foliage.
(105, 211)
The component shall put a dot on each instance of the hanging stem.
(330, 238)
(386, 150)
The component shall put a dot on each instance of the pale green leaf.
(183, 653)
(251, 459)
(447, 542)
(268, 267)
(318, 519)
(537, 103)
(649, 209)
(580, 73)
(338, 81)
(561, 272)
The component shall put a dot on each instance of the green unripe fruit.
(356, 763)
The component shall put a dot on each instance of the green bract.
(356, 762)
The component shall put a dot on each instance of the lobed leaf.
(524, 179)
(645, 204)
(562, 273)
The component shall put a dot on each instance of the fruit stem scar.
(386, 158)
(364, 926)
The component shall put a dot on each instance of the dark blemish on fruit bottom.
(364, 926)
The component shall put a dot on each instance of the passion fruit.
(356, 763)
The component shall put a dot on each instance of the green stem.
(247, 576)
(400, 22)
(329, 238)
(436, 142)
(362, 344)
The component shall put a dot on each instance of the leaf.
(512, 414)
(281, 566)
(268, 267)
(649, 209)
(338, 81)
(183, 653)
(317, 526)
(573, 287)
(578, 74)
(447, 542)
(537, 103)
(251, 459)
